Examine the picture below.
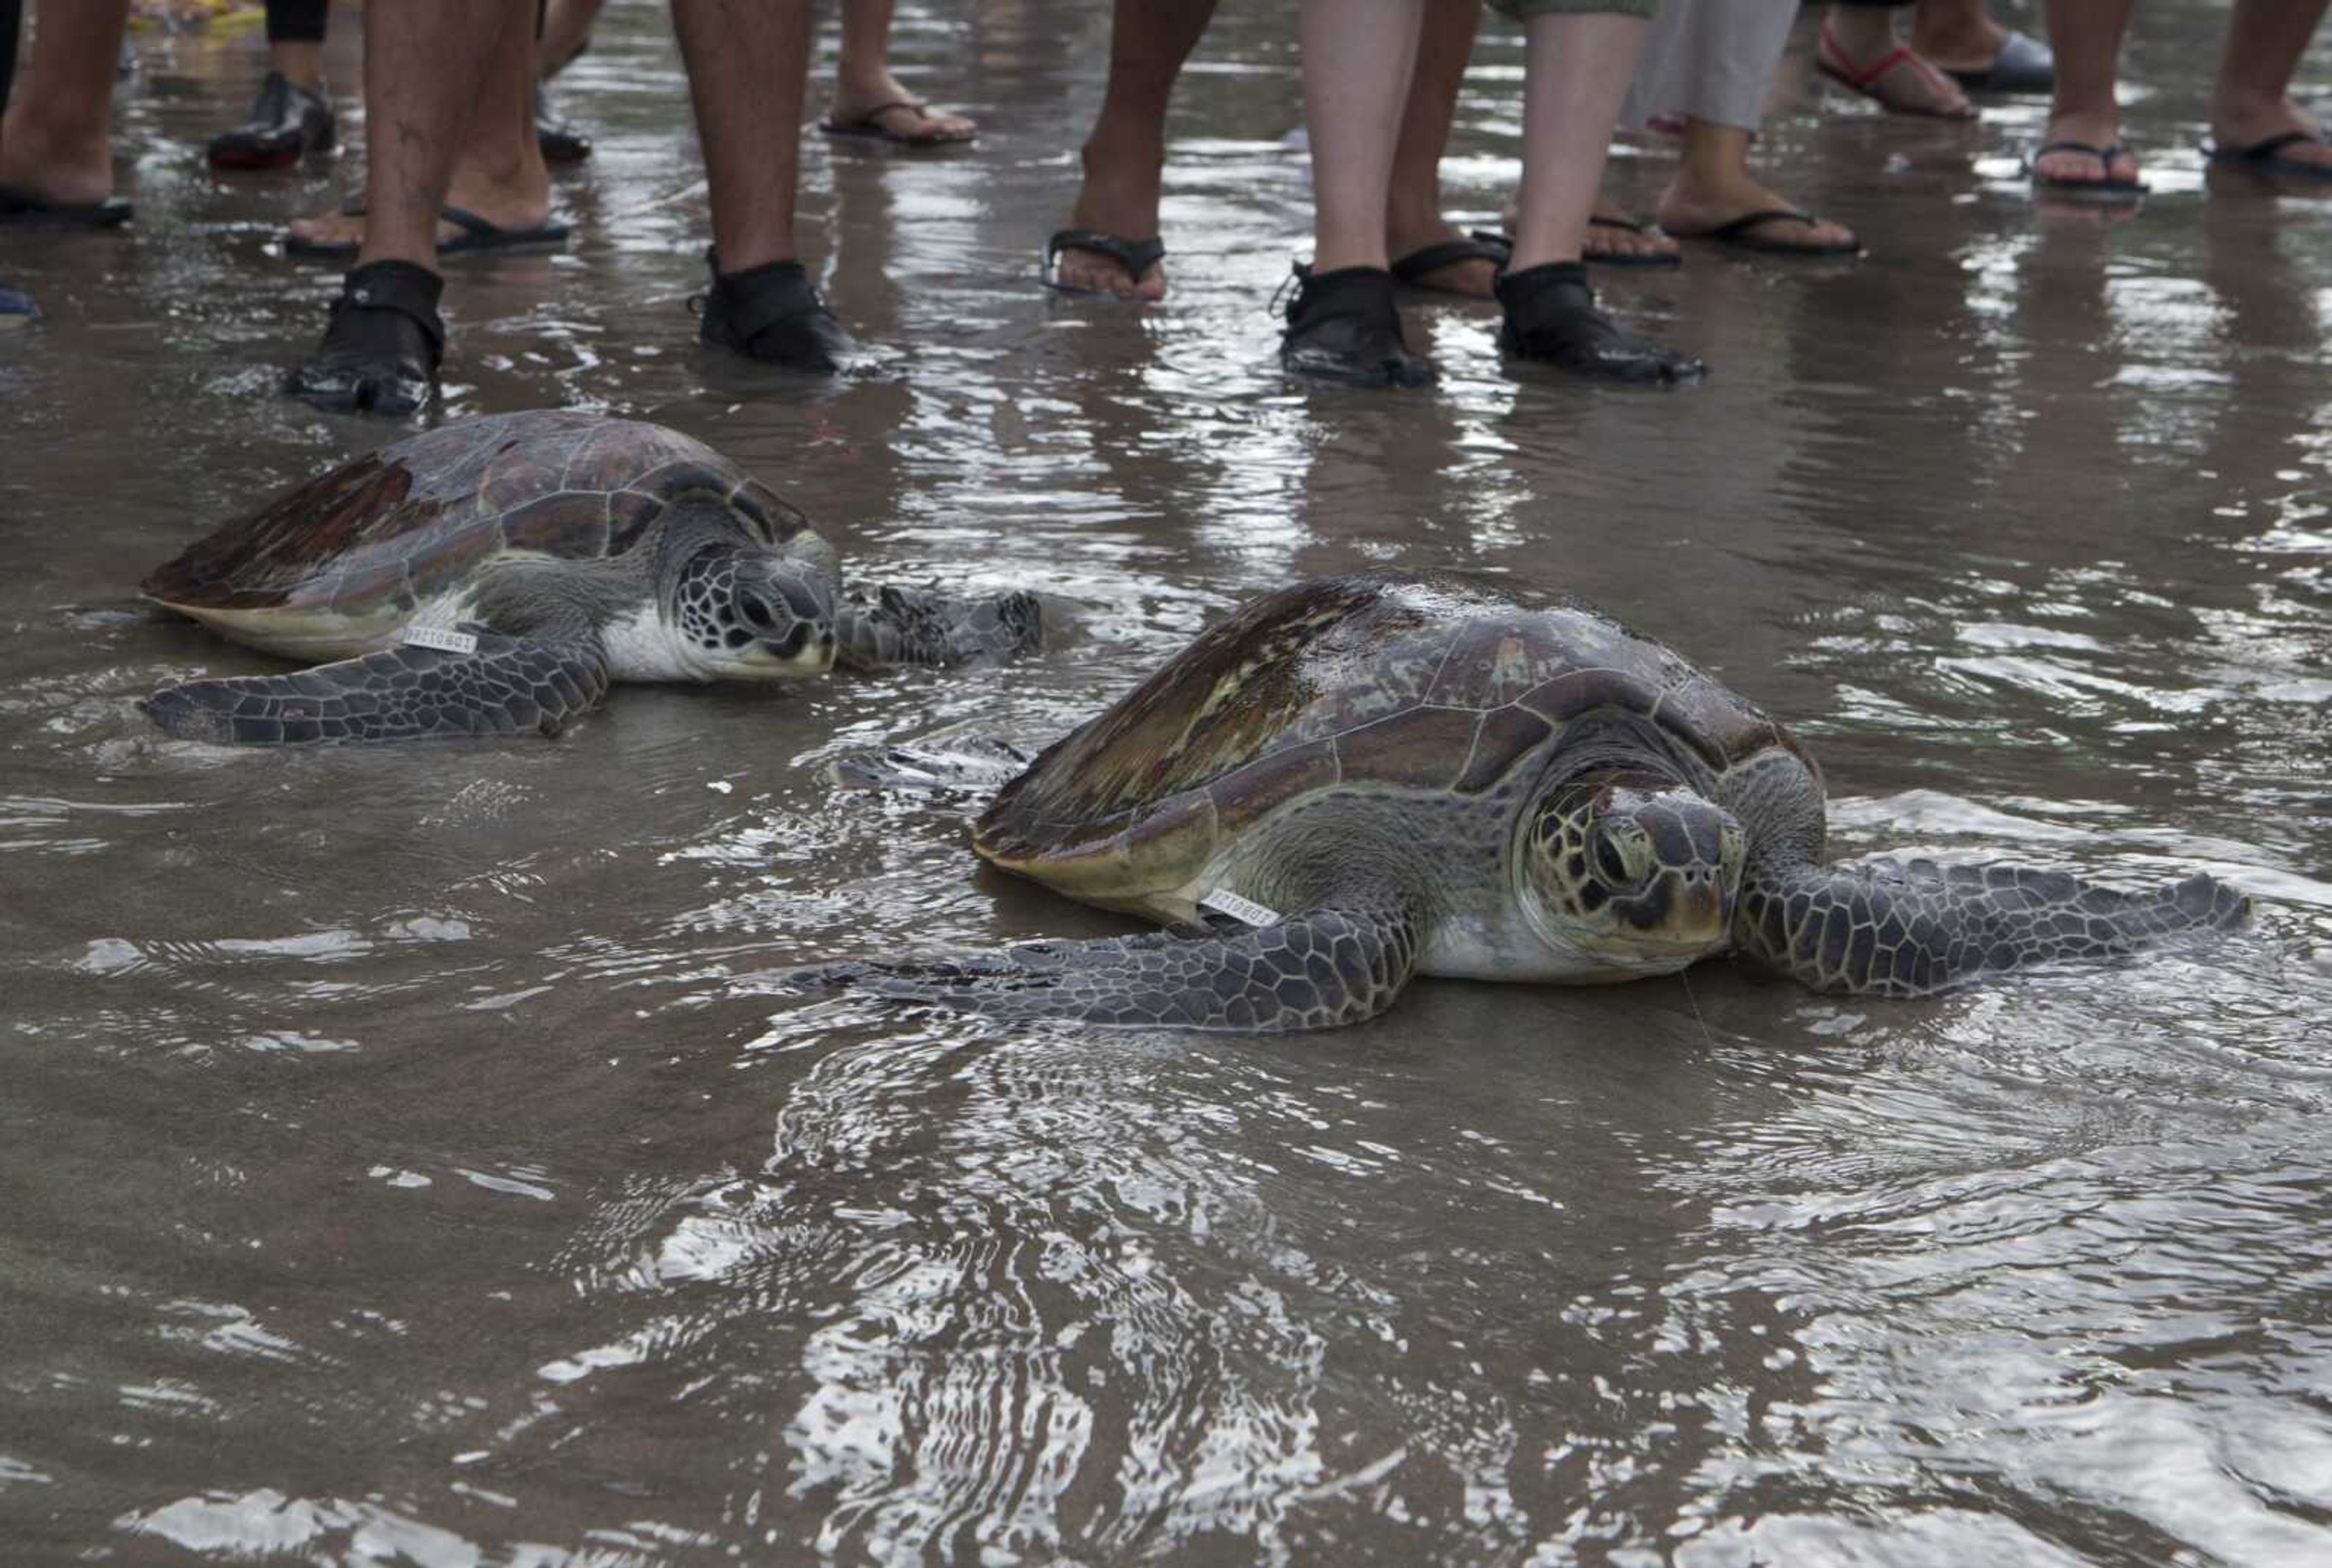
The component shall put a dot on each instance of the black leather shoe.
(772, 313)
(561, 142)
(1551, 315)
(286, 124)
(381, 350)
(1345, 326)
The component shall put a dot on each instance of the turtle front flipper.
(1889, 927)
(904, 627)
(504, 685)
(1309, 971)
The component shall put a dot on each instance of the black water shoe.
(1345, 326)
(381, 350)
(772, 313)
(1551, 315)
(559, 141)
(286, 123)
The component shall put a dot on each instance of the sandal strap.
(2104, 154)
(2262, 151)
(1733, 227)
(410, 291)
(870, 118)
(1427, 259)
(1136, 257)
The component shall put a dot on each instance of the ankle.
(1862, 33)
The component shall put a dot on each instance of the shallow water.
(412, 1156)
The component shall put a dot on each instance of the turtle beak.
(791, 613)
(806, 646)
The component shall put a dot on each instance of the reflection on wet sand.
(414, 1157)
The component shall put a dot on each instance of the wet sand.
(412, 1155)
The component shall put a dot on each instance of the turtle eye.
(1622, 854)
(757, 614)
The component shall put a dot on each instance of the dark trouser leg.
(11, 22)
(295, 40)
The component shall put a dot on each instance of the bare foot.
(1611, 233)
(521, 204)
(1901, 80)
(2235, 125)
(2068, 167)
(881, 105)
(1119, 196)
(67, 174)
(1957, 40)
(1690, 209)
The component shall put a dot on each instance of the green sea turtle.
(493, 576)
(1362, 779)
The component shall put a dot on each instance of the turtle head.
(749, 614)
(1630, 869)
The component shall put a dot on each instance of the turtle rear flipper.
(904, 627)
(504, 686)
(1309, 972)
(1889, 927)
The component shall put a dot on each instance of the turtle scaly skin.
(1409, 777)
(567, 551)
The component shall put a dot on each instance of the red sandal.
(1831, 60)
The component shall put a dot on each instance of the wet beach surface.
(412, 1155)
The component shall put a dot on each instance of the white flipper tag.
(444, 642)
(1237, 908)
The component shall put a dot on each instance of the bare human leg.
(2087, 37)
(1579, 64)
(1858, 49)
(1957, 35)
(54, 147)
(1344, 322)
(566, 28)
(497, 170)
(1125, 156)
(1713, 188)
(866, 95)
(748, 74)
(1577, 68)
(426, 64)
(2251, 103)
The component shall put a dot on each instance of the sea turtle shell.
(337, 566)
(1370, 680)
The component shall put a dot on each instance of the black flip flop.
(1136, 257)
(2267, 156)
(869, 126)
(1504, 245)
(22, 212)
(478, 236)
(2107, 189)
(1412, 269)
(1740, 234)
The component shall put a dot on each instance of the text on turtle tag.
(444, 642)
(1237, 908)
